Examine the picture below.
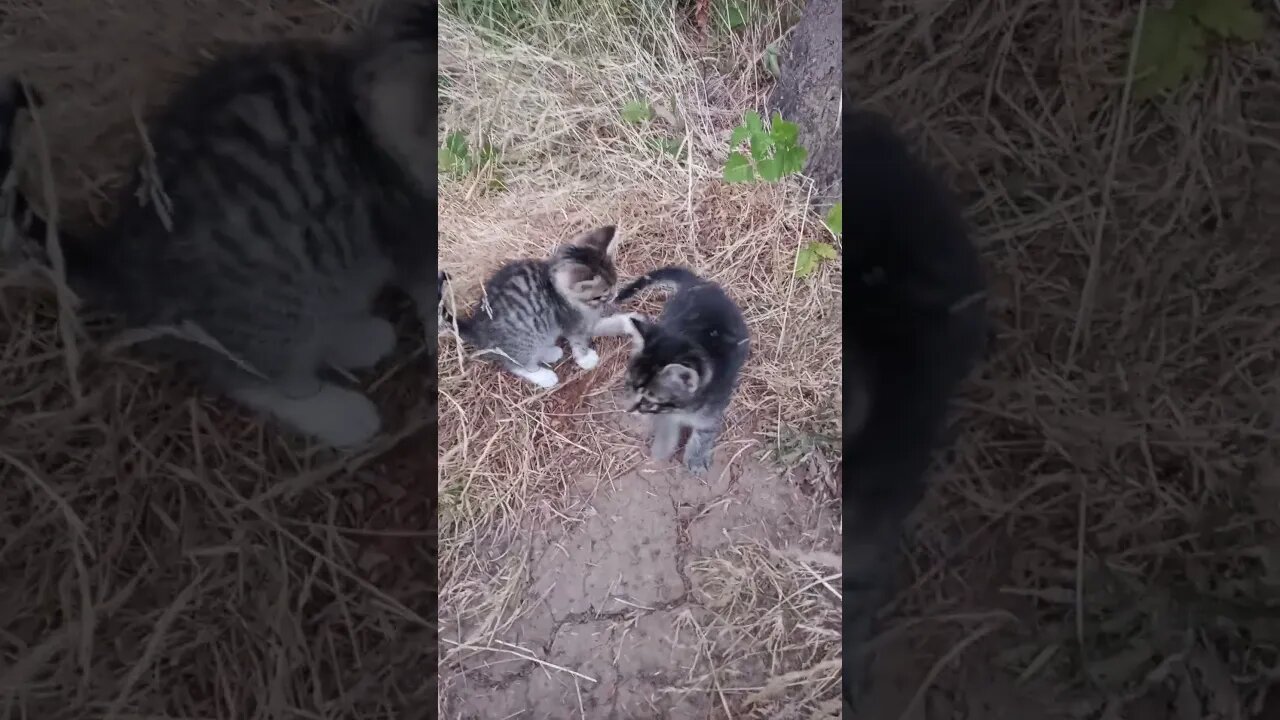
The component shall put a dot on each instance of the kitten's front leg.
(701, 447)
(666, 436)
(583, 355)
(543, 377)
(616, 325)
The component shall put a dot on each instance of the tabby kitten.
(289, 184)
(685, 365)
(530, 304)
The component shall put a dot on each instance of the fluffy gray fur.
(288, 186)
(685, 365)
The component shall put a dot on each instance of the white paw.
(361, 343)
(587, 359)
(340, 417)
(543, 377)
(335, 416)
(551, 355)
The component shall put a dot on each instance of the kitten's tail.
(444, 316)
(79, 256)
(672, 277)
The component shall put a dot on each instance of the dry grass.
(775, 608)
(1115, 482)
(548, 99)
(160, 554)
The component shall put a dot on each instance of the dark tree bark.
(808, 93)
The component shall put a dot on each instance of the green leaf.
(636, 111)
(792, 159)
(760, 145)
(771, 64)
(445, 159)
(1231, 19)
(672, 146)
(783, 132)
(735, 15)
(806, 263)
(813, 255)
(448, 162)
(770, 169)
(751, 119)
(835, 218)
(1170, 50)
(739, 136)
(456, 142)
(737, 169)
(824, 250)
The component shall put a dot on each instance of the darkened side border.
(914, 328)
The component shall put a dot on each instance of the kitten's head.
(666, 370)
(583, 270)
(394, 84)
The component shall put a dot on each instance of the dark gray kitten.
(686, 364)
(916, 326)
(530, 304)
(289, 184)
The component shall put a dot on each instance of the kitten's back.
(519, 302)
(701, 311)
(256, 220)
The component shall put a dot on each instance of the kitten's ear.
(681, 378)
(602, 239)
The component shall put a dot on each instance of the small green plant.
(770, 60)
(455, 158)
(774, 152)
(813, 255)
(835, 218)
(640, 112)
(816, 253)
(671, 146)
(1173, 43)
(636, 112)
(733, 14)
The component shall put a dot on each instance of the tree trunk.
(808, 94)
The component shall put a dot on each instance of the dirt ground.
(613, 606)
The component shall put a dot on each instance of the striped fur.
(287, 187)
(530, 304)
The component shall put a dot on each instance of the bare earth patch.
(620, 607)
